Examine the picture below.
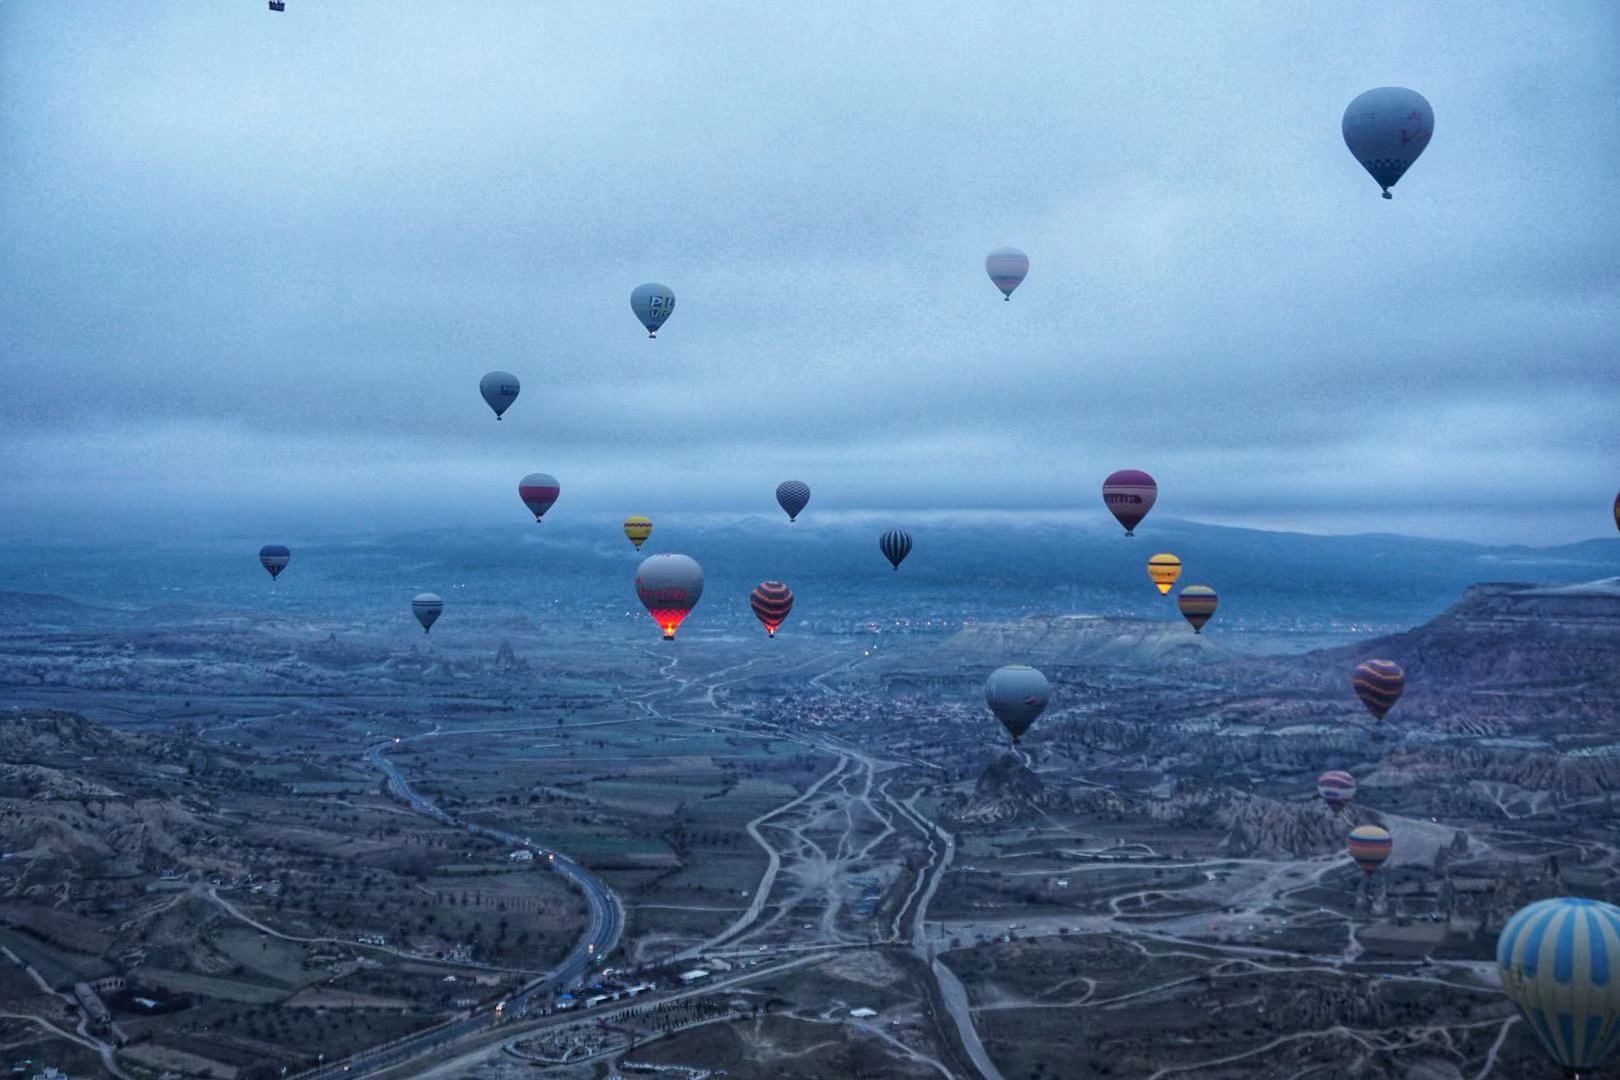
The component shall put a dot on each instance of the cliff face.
(1085, 639)
(1504, 659)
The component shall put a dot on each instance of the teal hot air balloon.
(427, 607)
(653, 305)
(1560, 964)
(500, 389)
(1017, 694)
(1386, 129)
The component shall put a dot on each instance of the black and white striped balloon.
(895, 545)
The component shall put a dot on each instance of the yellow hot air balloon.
(1164, 568)
(638, 529)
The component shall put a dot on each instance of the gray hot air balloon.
(793, 496)
(500, 389)
(1017, 694)
(653, 304)
(1007, 267)
(427, 607)
(669, 586)
(1386, 129)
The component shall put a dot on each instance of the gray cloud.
(257, 263)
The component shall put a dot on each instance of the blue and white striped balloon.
(1560, 962)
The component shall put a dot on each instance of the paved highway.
(604, 921)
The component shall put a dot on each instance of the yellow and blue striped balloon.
(1559, 962)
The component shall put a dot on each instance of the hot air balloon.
(1017, 694)
(1379, 684)
(274, 558)
(895, 545)
(792, 495)
(1369, 846)
(1007, 267)
(1336, 788)
(1617, 511)
(538, 491)
(1130, 494)
(427, 608)
(1197, 604)
(669, 586)
(638, 529)
(1386, 129)
(771, 601)
(500, 389)
(1557, 959)
(653, 304)
(1163, 569)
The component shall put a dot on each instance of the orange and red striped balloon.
(771, 601)
(1379, 684)
(1197, 604)
(1369, 846)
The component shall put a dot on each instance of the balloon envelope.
(1197, 604)
(638, 529)
(1017, 694)
(669, 587)
(653, 305)
(1336, 788)
(500, 389)
(1557, 959)
(1379, 684)
(1386, 129)
(538, 491)
(1163, 569)
(895, 545)
(771, 601)
(274, 558)
(1130, 494)
(1617, 511)
(1007, 267)
(792, 495)
(427, 608)
(1369, 846)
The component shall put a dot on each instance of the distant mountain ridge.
(957, 572)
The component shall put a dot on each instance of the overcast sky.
(254, 264)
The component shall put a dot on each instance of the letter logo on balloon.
(1129, 494)
(653, 305)
(669, 587)
(1386, 129)
(1163, 569)
(500, 389)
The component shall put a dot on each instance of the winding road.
(604, 922)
